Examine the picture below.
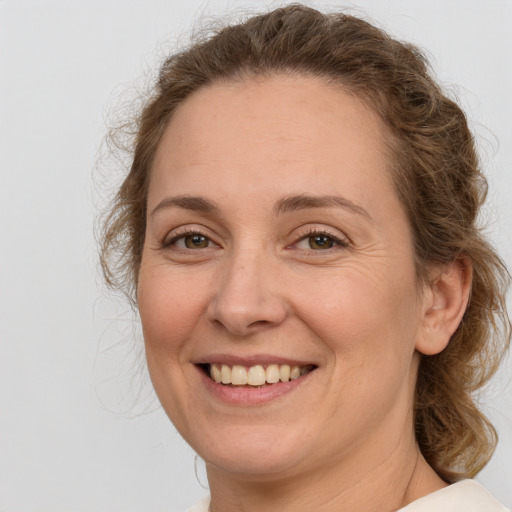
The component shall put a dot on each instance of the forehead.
(277, 131)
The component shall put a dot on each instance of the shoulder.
(201, 506)
(464, 496)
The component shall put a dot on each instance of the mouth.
(256, 376)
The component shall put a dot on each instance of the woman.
(298, 232)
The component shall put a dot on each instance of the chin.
(253, 466)
(253, 451)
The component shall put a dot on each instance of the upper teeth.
(238, 375)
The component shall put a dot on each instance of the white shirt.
(463, 496)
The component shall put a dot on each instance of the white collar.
(463, 496)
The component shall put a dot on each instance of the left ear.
(445, 299)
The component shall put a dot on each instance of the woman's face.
(275, 240)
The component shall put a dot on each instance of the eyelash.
(312, 233)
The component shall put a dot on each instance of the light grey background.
(66, 351)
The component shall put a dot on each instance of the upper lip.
(252, 360)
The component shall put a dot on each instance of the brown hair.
(436, 173)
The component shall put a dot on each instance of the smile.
(258, 375)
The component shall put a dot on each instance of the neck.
(370, 484)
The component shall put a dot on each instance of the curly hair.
(436, 174)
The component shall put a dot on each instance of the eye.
(195, 241)
(191, 240)
(320, 241)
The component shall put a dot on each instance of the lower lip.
(251, 395)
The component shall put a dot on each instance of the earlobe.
(445, 300)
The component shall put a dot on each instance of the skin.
(258, 285)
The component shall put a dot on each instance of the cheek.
(369, 325)
(170, 306)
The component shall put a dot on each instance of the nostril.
(242, 325)
(259, 323)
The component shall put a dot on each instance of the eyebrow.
(198, 204)
(284, 205)
(303, 202)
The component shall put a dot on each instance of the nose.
(248, 298)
